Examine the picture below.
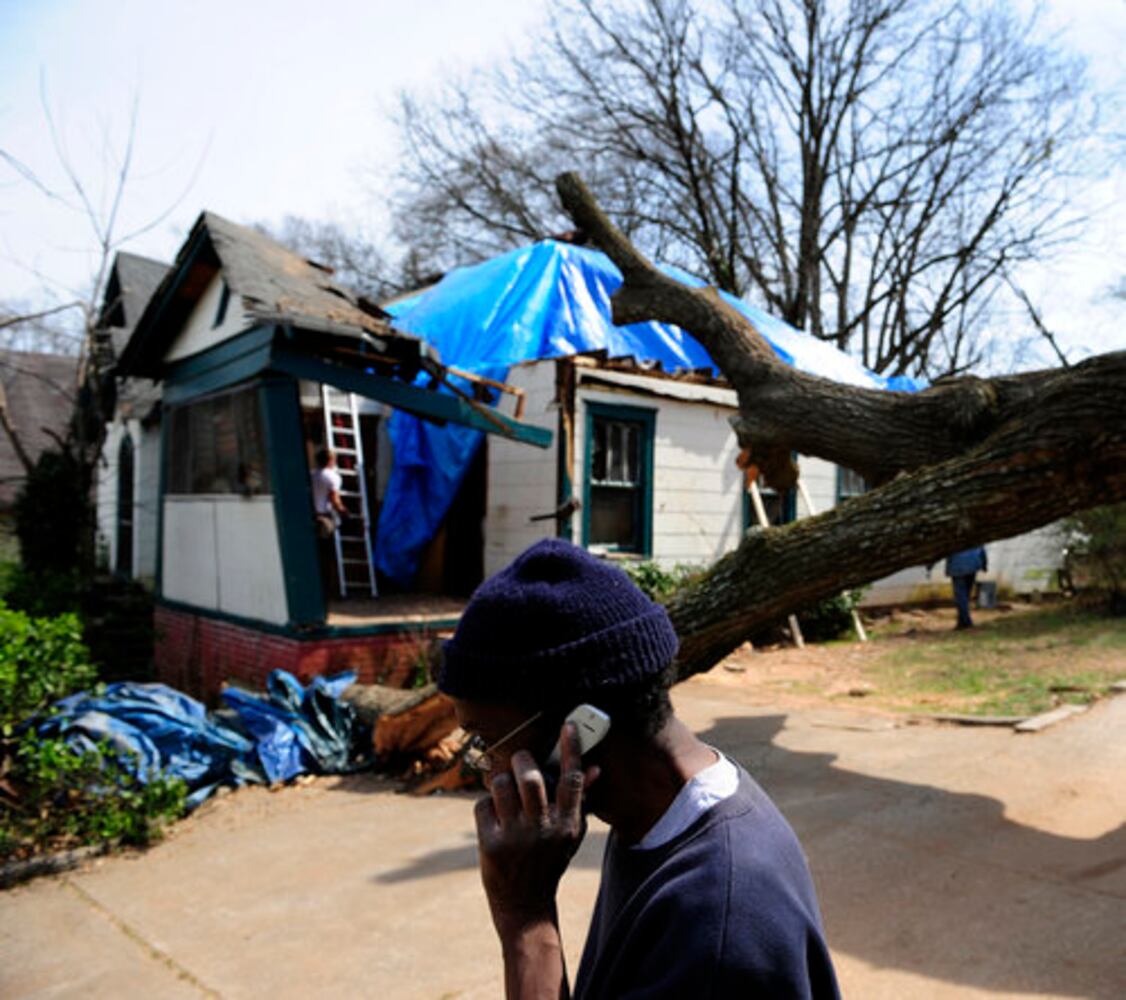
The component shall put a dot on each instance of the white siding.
(697, 498)
(221, 553)
(521, 477)
(190, 566)
(820, 479)
(697, 492)
(146, 487)
(1025, 564)
(199, 332)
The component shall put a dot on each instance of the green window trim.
(293, 501)
(646, 421)
(789, 507)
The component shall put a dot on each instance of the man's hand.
(526, 843)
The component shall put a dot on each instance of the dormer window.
(221, 312)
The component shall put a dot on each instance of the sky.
(256, 110)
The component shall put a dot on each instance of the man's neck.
(640, 779)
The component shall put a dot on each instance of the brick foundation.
(197, 654)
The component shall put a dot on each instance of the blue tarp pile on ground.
(547, 300)
(298, 729)
(153, 729)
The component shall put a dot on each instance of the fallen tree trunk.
(962, 463)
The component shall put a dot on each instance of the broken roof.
(277, 284)
(551, 299)
(274, 285)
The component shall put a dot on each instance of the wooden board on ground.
(1045, 719)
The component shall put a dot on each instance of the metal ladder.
(354, 564)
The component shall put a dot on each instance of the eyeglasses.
(477, 752)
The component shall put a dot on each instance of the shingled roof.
(273, 283)
(38, 390)
(277, 284)
(131, 284)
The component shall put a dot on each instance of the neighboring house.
(261, 359)
(37, 394)
(127, 477)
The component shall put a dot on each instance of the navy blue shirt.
(726, 909)
(967, 562)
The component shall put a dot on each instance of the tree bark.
(965, 462)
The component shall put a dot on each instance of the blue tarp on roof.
(547, 300)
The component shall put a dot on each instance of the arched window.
(124, 565)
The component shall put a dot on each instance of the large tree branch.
(782, 410)
(1069, 456)
(962, 463)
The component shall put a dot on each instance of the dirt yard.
(1019, 660)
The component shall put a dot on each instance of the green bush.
(659, 584)
(52, 796)
(1096, 552)
(829, 618)
(41, 593)
(53, 514)
(41, 660)
(65, 798)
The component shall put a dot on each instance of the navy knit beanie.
(557, 622)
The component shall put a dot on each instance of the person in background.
(962, 568)
(705, 890)
(329, 511)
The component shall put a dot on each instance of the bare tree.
(26, 328)
(962, 463)
(867, 170)
(98, 202)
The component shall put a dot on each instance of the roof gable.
(132, 281)
(272, 283)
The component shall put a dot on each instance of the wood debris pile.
(415, 734)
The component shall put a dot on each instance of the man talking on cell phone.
(705, 891)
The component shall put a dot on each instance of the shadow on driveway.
(915, 877)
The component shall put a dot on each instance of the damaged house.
(261, 360)
(469, 419)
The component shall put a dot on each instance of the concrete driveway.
(950, 862)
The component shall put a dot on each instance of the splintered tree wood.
(452, 779)
(416, 730)
(370, 701)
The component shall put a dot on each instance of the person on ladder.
(329, 511)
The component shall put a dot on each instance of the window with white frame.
(850, 483)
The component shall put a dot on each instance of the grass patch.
(1019, 664)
